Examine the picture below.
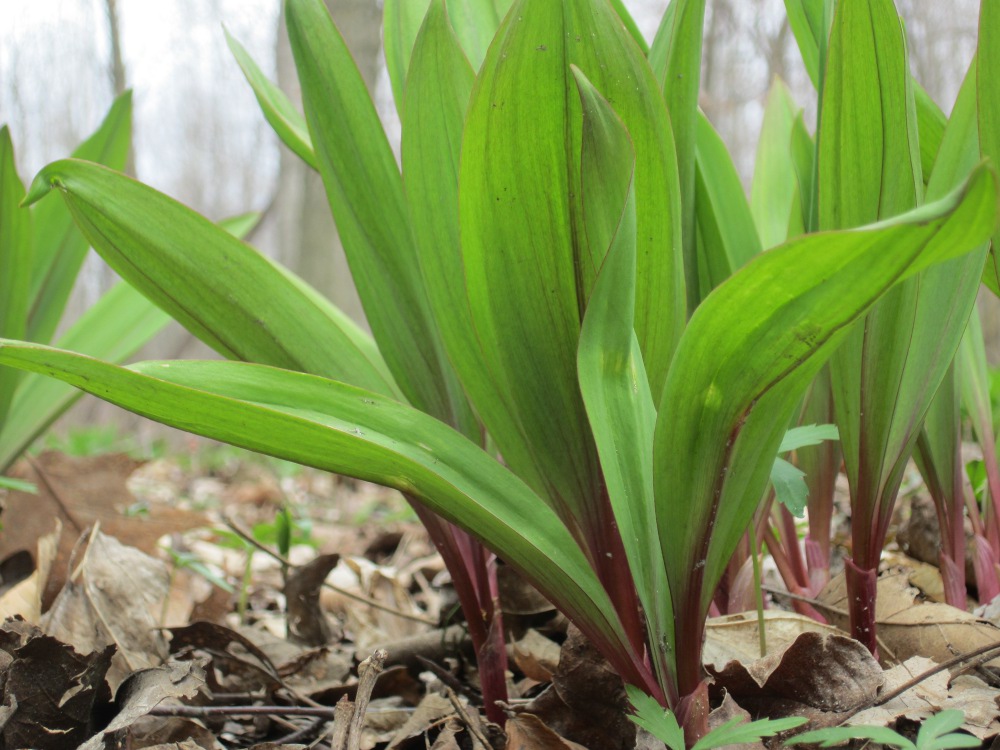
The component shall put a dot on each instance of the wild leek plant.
(41, 253)
(564, 265)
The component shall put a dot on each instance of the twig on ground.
(342, 714)
(368, 672)
(464, 717)
(360, 598)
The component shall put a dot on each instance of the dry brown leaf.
(830, 672)
(25, 598)
(113, 597)
(146, 689)
(447, 739)
(80, 492)
(735, 637)
(968, 694)
(528, 732)
(909, 627)
(536, 656)
(306, 622)
(728, 711)
(431, 709)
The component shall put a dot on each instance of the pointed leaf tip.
(43, 183)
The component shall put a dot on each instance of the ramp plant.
(41, 253)
(565, 276)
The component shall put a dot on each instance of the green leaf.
(239, 302)
(527, 269)
(17, 485)
(790, 486)
(832, 736)
(59, 248)
(655, 719)
(630, 25)
(747, 356)
(15, 262)
(114, 328)
(365, 192)
(887, 373)
(437, 96)
(937, 732)
(804, 436)
(612, 377)
(988, 94)
(474, 22)
(735, 733)
(280, 113)
(401, 20)
(680, 76)
(727, 237)
(774, 188)
(120, 323)
(347, 430)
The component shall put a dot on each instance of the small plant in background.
(567, 275)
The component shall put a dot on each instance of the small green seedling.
(936, 733)
(663, 725)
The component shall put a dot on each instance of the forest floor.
(147, 605)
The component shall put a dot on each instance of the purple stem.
(861, 593)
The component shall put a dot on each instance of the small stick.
(342, 715)
(248, 538)
(368, 672)
(460, 710)
(199, 712)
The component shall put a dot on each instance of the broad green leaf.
(988, 94)
(15, 262)
(727, 237)
(655, 719)
(612, 377)
(807, 21)
(804, 159)
(938, 445)
(974, 390)
(774, 187)
(401, 20)
(365, 192)
(233, 298)
(888, 371)
(280, 113)
(747, 356)
(113, 329)
(528, 270)
(437, 96)
(630, 25)
(348, 430)
(59, 248)
(474, 23)
(680, 79)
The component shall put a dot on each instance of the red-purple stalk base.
(953, 579)
(692, 714)
(861, 591)
(984, 562)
